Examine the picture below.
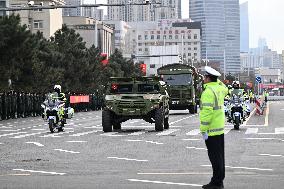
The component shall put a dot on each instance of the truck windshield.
(121, 88)
(181, 79)
(148, 88)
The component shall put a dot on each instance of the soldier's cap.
(211, 71)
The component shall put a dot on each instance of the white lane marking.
(271, 155)
(1, 143)
(93, 127)
(38, 129)
(9, 123)
(54, 135)
(147, 141)
(270, 133)
(76, 141)
(171, 123)
(35, 143)
(112, 134)
(251, 131)
(15, 175)
(252, 113)
(191, 139)
(279, 130)
(43, 172)
(195, 148)
(84, 133)
(137, 133)
(127, 159)
(167, 132)
(10, 134)
(10, 130)
(161, 182)
(227, 130)
(267, 115)
(27, 135)
(67, 151)
(262, 138)
(194, 132)
(187, 173)
(5, 127)
(248, 168)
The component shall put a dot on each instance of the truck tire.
(116, 126)
(191, 109)
(107, 121)
(159, 119)
(166, 123)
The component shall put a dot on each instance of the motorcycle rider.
(57, 94)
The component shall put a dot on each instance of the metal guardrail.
(275, 98)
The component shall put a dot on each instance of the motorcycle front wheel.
(51, 125)
(237, 123)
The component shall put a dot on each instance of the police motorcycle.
(54, 113)
(236, 112)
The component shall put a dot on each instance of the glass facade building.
(244, 20)
(220, 31)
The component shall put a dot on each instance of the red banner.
(271, 86)
(79, 99)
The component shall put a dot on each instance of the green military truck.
(183, 85)
(136, 98)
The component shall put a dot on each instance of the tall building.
(168, 9)
(244, 26)
(220, 31)
(93, 12)
(73, 11)
(46, 21)
(3, 3)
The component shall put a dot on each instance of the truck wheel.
(166, 123)
(116, 126)
(107, 121)
(159, 120)
(191, 109)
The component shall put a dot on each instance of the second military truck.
(183, 84)
(136, 98)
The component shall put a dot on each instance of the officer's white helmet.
(57, 88)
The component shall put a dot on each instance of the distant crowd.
(23, 104)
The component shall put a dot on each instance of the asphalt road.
(138, 157)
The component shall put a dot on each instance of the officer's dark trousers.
(215, 146)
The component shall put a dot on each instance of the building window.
(158, 36)
(146, 37)
(146, 49)
(139, 37)
(139, 44)
(170, 37)
(140, 49)
(195, 36)
(189, 36)
(195, 54)
(152, 37)
(195, 43)
(189, 48)
(38, 24)
(189, 54)
(189, 43)
(195, 48)
(152, 65)
(176, 37)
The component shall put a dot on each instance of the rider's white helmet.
(57, 88)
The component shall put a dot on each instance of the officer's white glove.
(205, 136)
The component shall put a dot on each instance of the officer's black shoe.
(211, 186)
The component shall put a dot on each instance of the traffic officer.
(212, 121)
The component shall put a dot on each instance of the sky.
(266, 20)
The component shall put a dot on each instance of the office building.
(168, 9)
(79, 11)
(46, 21)
(220, 31)
(3, 3)
(244, 27)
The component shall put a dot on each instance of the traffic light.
(143, 68)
